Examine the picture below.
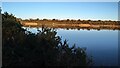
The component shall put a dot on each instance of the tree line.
(72, 21)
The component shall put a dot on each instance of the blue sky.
(63, 10)
(60, 0)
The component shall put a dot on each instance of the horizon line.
(67, 19)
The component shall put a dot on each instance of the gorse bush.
(23, 48)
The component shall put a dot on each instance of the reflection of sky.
(102, 45)
(63, 10)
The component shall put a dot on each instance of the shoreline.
(68, 25)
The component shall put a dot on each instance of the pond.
(102, 45)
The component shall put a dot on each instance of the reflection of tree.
(23, 48)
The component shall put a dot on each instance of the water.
(101, 45)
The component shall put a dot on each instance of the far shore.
(112, 25)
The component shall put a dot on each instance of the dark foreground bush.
(23, 48)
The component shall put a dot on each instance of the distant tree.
(72, 20)
(45, 19)
(53, 19)
(89, 20)
(37, 19)
(31, 19)
(79, 20)
(68, 20)
(99, 20)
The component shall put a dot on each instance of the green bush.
(23, 48)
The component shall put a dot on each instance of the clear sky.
(63, 10)
(60, 0)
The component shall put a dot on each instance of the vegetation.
(68, 21)
(72, 24)
(23, 48)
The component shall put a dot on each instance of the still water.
(101, 45)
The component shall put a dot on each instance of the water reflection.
(102, 45)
